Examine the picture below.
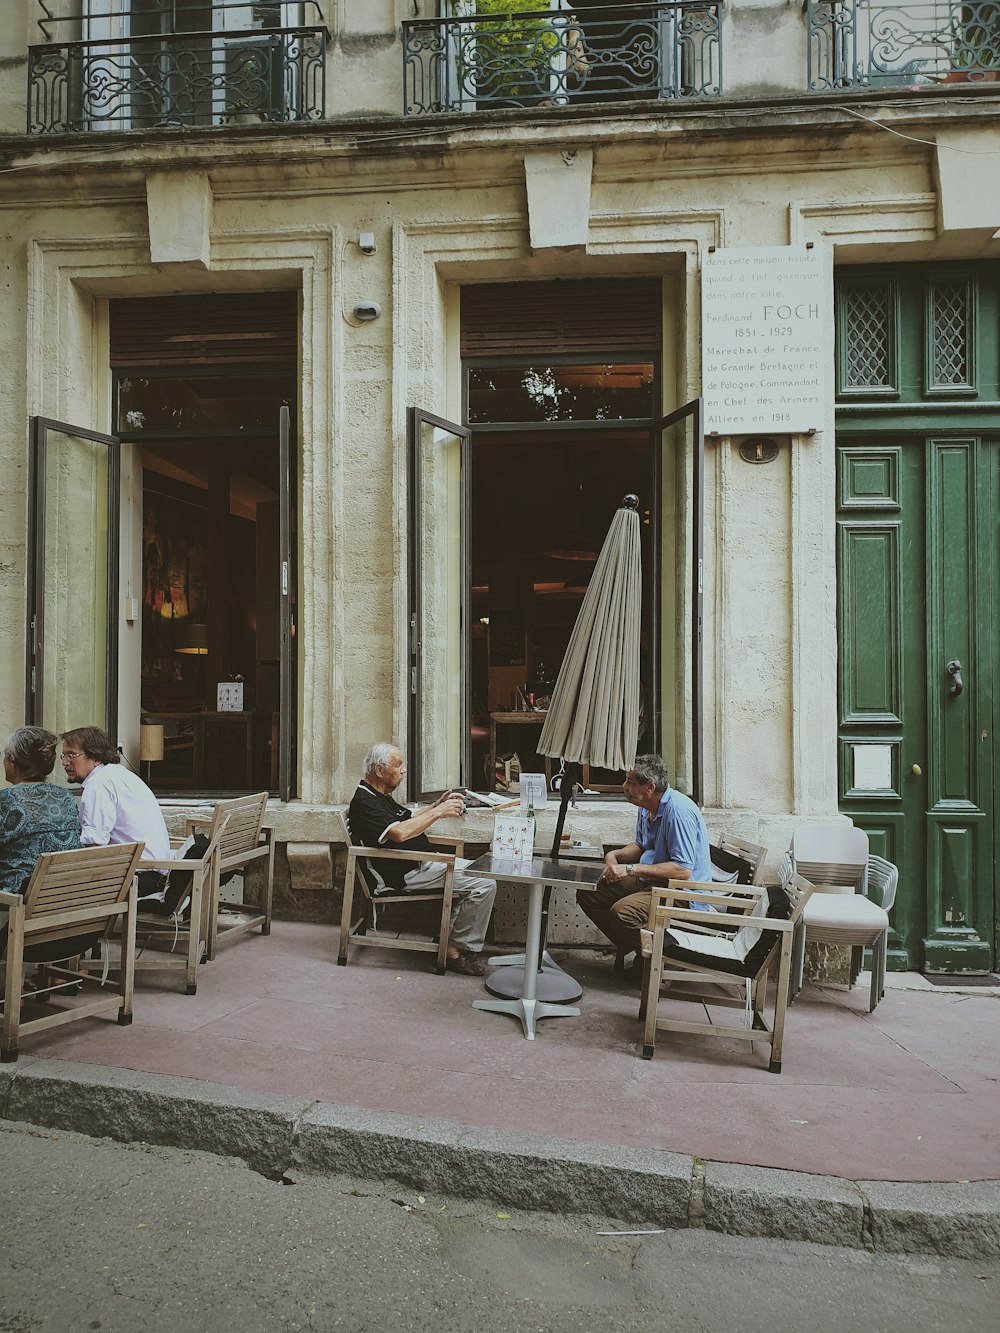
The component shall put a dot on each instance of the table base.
(528, 1011)
(552, 984)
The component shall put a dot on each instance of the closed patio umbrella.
(593, 715)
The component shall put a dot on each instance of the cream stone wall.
(449, 208)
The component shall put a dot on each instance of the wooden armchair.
(244, 843)
(736, 948)
(69, 906)
(157, 937)
(362, 927)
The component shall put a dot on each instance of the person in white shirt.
(116, 805)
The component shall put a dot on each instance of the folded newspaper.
(487, 799)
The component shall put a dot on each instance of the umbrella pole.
(569, 781)
(565, 794)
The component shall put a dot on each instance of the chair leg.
(651, 993)
(879, 949)
(345, 915)
(267, 888)
(12, 986)
(798, 965)
(780, 1003)
(644, 987)
(885, 966)
(195, 918)
(857, 961)
(445, 925)
(210, 909)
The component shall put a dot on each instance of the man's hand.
(448, 806)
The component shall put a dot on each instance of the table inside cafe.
(207, 731)
(512, 718)
(535, 966)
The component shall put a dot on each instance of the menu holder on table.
(513, 838)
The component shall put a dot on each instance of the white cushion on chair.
(716, 944)
(711, 945)
(844, 918)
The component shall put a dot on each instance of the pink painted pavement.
(911, 1092)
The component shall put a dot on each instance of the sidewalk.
(907, 1094)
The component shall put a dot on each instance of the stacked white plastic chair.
(838, 856)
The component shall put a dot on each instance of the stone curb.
(276, 1134)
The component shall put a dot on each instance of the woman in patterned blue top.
(35, 816)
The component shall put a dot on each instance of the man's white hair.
(380, 756)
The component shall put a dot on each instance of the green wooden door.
(917, 527)
(918, 569)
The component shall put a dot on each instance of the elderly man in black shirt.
(377, 819)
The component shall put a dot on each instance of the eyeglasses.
(71, 754)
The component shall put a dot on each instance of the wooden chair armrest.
(668, 915)
(381, 853)
(194, 822)
(443, 840)
(168, 863)
(680, 890)
(10, 899)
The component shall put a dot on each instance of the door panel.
(678, 669)
(915, 592)
(72, 677)
(960, 835)
(286, 594)
(439, 741)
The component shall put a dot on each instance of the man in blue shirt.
(671, 842)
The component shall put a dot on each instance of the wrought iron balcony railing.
(859, 44)
(669, 49)
(124, 76)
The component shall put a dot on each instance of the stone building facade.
(383, 177)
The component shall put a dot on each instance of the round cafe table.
(538, 992)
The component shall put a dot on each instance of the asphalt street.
(103, 1236)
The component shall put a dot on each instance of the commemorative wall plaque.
(767, 317)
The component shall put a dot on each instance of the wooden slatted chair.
(69, 906)
(734, 861)
(750, 852)
(677, 947)
(244, 844)
(158, 937)
(362, 926)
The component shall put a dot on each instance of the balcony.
(543, 59)
(855, 44)
(122, 76)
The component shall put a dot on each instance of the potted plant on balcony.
(243, 112)
(975, 56)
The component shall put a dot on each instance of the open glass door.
(439, 740)
(678, 657)
(287, 666)
(72, 642)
